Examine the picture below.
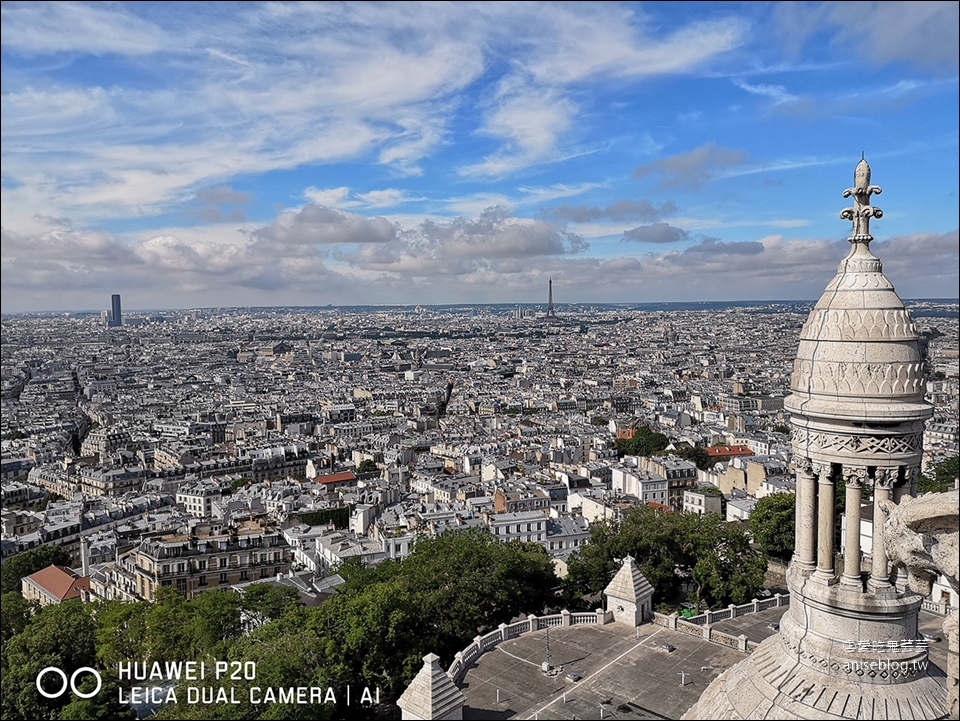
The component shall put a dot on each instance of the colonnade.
(815, 520)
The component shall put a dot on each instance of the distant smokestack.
(84, 557)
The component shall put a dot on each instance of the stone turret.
(630, 595)
(848, 645)
(432, 694)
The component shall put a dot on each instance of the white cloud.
(611, 40)
(331, 197)
(492, 258)
(37, 28)
(318, 225)
(530, 121)
(344, 197)
(777, 93)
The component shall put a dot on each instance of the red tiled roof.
(60, 582)
(660, 506)
(720, 451)
(343, 477)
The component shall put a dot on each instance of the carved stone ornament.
(852, 445)
(862, 211)
(885, 478)
(823, 472)
(854, 477)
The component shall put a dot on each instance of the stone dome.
(857, 391)
(859, 356)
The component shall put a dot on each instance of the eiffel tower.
(551, 313)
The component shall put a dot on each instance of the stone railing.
(941, 608)
(731, 611)
(701, 625)
(691, 629)
(661, 619)
(481, 644)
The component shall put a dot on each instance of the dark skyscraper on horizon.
(116, 319)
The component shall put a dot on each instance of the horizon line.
(330, 306)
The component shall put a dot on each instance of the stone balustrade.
(481, 644)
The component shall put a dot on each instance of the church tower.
(848, 646)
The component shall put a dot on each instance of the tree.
(944, 475)
(166, 627)
(772, 523)
(286, 654)
(29, 562)
(449, 589)
(121, 632)
(367, 466)
(265, 602)
(697, 455)
(713, 555)
(719, 560)
(60, 635)
(643, 442)
(213, 622)
(16, 612)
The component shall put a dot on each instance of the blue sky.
(225, 154)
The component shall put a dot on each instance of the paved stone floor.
(624, 675)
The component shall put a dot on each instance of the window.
(243, 575)
(223, 578)
(202, 581)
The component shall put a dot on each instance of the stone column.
(806, 518)
(825, 513)
(853, 477)
(913, 475)
(908, 485)
(883, 481)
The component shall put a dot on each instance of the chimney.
(84, 557)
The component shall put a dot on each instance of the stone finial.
(862, 211)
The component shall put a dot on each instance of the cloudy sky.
(222, 154)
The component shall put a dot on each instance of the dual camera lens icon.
(71, 683)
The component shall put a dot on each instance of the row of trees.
(373, 633)
(646, 442)
(673, 549)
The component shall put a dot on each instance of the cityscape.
(480, 361)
